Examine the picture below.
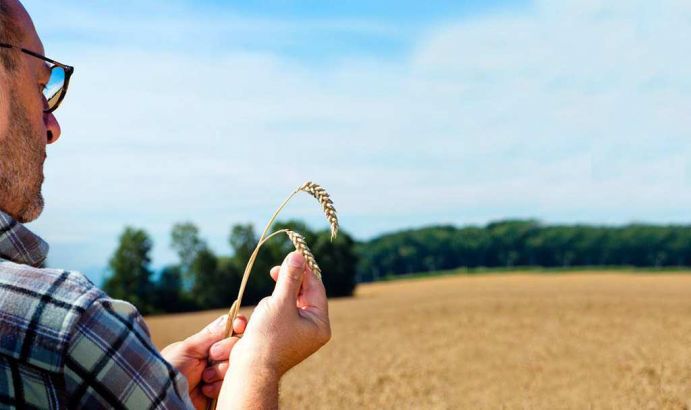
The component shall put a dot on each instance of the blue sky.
(409, 113)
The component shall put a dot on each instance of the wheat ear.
(324, 199)
(301, 246)
(327, 204)
(318, 192)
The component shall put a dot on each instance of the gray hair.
(10, 33)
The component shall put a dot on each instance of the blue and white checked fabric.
(65, 344)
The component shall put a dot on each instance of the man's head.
(25, 128)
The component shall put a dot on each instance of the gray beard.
(21, 164)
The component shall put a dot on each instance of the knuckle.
(216, 326)
(171, 348)
(263, 303)
(294, 275)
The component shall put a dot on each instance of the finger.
(239, 324)
(199, 343)
(313, 293)
(274, 272)
(212, 390)
(215, 372)
(220, 351)
(290, 277)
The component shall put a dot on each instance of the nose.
(52, 127)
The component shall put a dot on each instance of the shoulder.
(111, 358)
(38, 311)
(60, 322)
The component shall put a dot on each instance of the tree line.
(512, 243)
(201, 279)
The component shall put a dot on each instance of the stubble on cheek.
(21, 165)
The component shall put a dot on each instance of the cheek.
(34, 116)
(34, 107)
(4, 114)
(31, 100)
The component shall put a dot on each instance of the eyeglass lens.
(55, 85)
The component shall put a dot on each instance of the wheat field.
(597, 340)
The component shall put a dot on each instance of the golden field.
(550, 341)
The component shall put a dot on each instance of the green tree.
(210, 289)
(229, 273)
(243, 240)
(508, 240)
(185, 241)
(170, 295)
(130, 272)
(338, 262)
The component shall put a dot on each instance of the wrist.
(249, 356)
(249, 385)
(254, 366)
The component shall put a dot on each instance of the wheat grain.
(324, 199)
(301, 246)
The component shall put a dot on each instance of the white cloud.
(567, 111)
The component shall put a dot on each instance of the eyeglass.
(56, 88)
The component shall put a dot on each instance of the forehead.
(30, 39)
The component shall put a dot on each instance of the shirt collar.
(20, 245)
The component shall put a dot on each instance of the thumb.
(199, 343)
(290, 277)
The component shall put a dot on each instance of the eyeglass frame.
(68, 72)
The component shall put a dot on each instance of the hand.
(285, 328)
(291, 324)
(191, 357)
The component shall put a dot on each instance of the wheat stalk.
(324, 199)
(318, 192)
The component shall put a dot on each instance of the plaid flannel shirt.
(65, 344)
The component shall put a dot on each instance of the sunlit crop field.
(578, 340)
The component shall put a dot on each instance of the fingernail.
(296, 260)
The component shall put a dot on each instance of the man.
(63, 342)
